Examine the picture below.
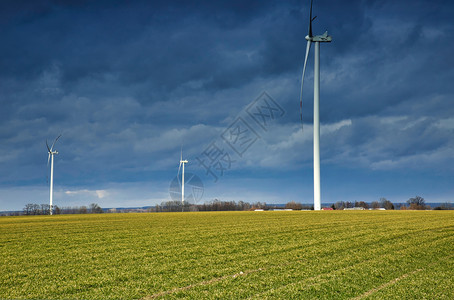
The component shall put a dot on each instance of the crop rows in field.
(326, 255)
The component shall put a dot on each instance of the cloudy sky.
(128, 83)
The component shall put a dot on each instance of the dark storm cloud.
(388, 53)
(172, 39)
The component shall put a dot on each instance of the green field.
(229, 255)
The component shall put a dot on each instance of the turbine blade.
(47, 170)
(51, 148)
(310, 22)
(308, 48)
(179, 167)
(190, 178)
(178, 174)
(47, 145)
(48, 158)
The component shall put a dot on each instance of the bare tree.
(386, 204)
(375, 205)
(28, 209)
(340, 205)
(45, 209)
(417, 203)
(361, 204)
(294, 205)
(95, 208)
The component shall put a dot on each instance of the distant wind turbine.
(324, 38)
(182, 162)
(50, 158)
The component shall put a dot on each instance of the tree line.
(382, 203)
(44, 209)
(215, 205)
(415, 203)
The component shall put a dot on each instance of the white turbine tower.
(182, 162)
(324, 38)
(51, 152)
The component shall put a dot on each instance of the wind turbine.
(324, 38)
(182, 162)
(51, 152)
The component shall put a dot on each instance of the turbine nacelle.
(319, 38)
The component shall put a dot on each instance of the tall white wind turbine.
(50, 158)
(182, 162)
(324, 38)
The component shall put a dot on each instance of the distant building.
(327, 208)
(355, 208)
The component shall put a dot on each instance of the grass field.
(258, 255)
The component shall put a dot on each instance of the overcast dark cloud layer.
(128, 83)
